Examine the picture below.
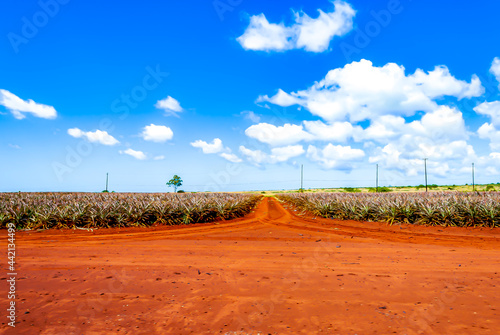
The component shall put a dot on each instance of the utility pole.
(473, 186)
(425, 169)
(107, 181)
(377, 180)
(302, 178)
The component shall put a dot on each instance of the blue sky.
(237, 95)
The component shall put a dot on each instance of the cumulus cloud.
(489, 164)
(19, 107)
(277, 155)
(495, 69)
(209, 148)
(335, 156)
(282, 154)
(491, 109)
(170, 106)
(490, 131)
(384, 128)
(159, 158)
(406, 152)
(310, 34)
(97, 136)
(216, 147)
(360, 91)
(444, 123)
(440, 82)
(136, 154)
(277, 135)
(157, 133)
(390, 157)
(399, 118)
(336, 131)
(439, 158)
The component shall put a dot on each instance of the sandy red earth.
(272, 272)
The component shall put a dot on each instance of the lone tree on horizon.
(176, 181)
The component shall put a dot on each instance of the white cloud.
(283, 154)
(385, 128)
(440, 82)
(249, 115)
(360, 91)
(14, 146)
(277, 155)
(445, 151)
(488, 163)
(97, 136)
(262, 35)
(405, 121)
(216, 147)
(390, 158)
(230, 157)
(157, 133)
(335, 156)
(490, 132)
(443, 123)
(337, 131)
(170, 106)
(136, 154)
(277, 135)
(491, 109)
(315, 34)
(439, 136)
(255, 156)
(281, 98)
(18, 107)
(495, 69)
(209, 148)
(306, 33)
(159, 158)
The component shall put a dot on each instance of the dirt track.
(272, 272)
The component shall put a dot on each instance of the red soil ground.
(272, 272)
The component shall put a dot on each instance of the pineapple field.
(471, 209)
(105, 210)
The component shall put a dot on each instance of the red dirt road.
(272, 272)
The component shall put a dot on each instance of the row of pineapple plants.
(458, 209)
(104, 210)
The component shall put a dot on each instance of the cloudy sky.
(237, 95)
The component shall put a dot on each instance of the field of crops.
(101, 210)
(444, 209)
